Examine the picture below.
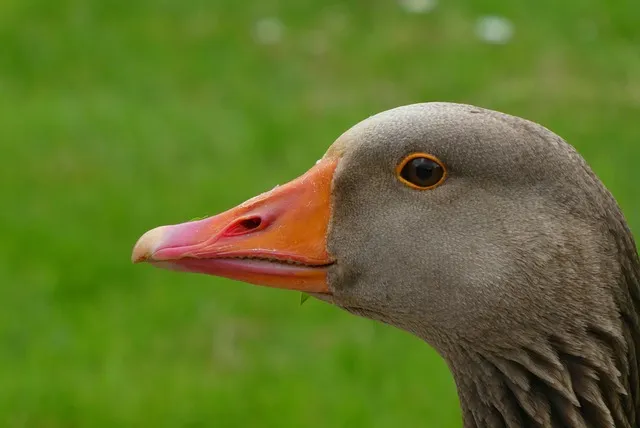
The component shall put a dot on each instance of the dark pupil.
(424, 169)
(422, 172)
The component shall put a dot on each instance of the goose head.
(482, 233)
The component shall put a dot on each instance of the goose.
(484, 234)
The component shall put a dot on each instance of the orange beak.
(277, 239)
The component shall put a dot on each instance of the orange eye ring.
(421, 171)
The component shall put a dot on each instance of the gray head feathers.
(519, 269)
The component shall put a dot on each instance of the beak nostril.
(242, 226)
(251, 223)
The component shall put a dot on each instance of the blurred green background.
(118, 116)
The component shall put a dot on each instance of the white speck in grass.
(495, 30)
(268, 31)
(418, 6)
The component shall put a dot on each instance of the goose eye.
(421, 171)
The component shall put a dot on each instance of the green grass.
(117, 116)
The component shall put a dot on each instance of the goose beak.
(277, 239)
